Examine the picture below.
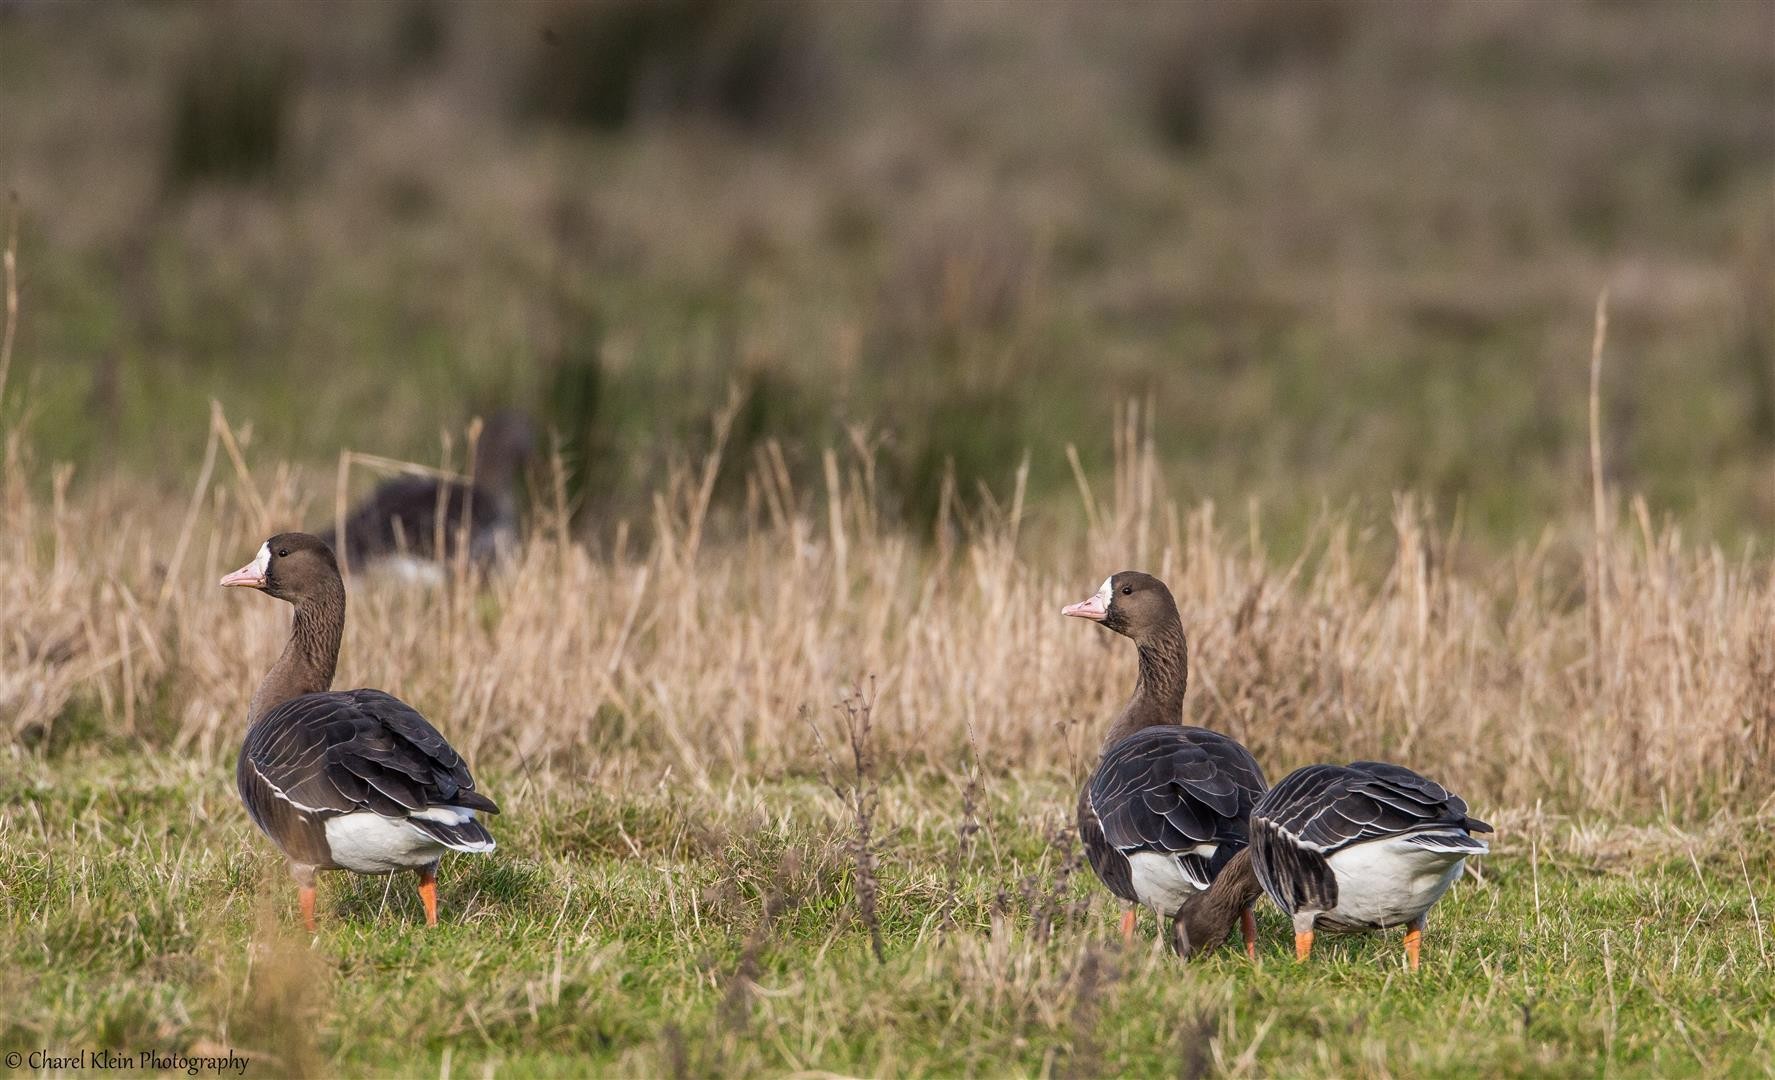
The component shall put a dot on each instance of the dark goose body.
(1166, 807)
(1360, 847)
(401, 516)
(358, 780)
(351, 779)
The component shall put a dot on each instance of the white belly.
(373, 844)
(1160, 882)
(1388, 883)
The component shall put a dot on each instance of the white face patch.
(262, 561)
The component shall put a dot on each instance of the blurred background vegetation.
(1344, 247)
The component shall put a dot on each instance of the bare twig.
(1599, 623)
(968, 828)
(11, 261)
(197, 492)
(1756, 918)
(341, 489)
(249, 490)
(862, 792)
(397, 467)
(1085, 1057)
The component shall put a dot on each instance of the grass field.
(865, 337)
(680, 888)
(635, 928)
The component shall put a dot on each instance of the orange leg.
(1303, 944)
(1127, 926)
(305, 895)
(428, 893)
(1414, 935)
(1248, 927)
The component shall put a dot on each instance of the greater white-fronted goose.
(1167, 806)
(347, 779)
(400, 519)
(1360, 848)
(1351, 848)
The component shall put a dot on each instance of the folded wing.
(351, 751)
(1182, 792)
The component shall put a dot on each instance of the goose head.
(293, 567)
(1131, 603)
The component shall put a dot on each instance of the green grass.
(621, 929)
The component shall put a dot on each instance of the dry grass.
(693, 650)
(683, 865)
(687, 883)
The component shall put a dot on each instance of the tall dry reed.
(693, 643)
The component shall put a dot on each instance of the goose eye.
(1127, 590)
(283, 553)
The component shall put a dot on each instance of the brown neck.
(308, 660)
(1158, 693)
(1207, 919)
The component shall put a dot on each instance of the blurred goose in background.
(1167, 807)
(1347, 848)
(398, 522)
(349, 779)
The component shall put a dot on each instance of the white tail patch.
(1160, 880)
(1391, 881)
(448, 815)
(372, 844)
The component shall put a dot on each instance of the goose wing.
(1417, 799)
(1185, 792)
(346, 751)
(1328, 807)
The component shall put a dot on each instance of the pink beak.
(1094, 609)
(247, 576)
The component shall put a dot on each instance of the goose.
(1167, 806)
(397, 523)
(1357, 847)
(344, 779)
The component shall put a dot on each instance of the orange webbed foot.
(428, 893)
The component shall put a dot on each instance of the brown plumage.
(1206, 919)
(354, 779)
(1166, 808)
(1359, 847)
